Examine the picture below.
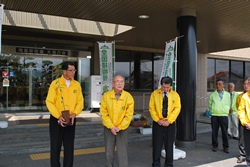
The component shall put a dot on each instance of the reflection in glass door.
(28, 83)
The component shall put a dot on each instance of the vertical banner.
(1, 18)
(107, 61)
(168, 67)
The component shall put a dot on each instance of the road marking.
(41, 156)
(46, 124)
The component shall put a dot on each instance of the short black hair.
(166, 80)
(219, 80)
(65, 65)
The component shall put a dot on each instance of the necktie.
(165, 105)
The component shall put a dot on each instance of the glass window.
(236, 74)
(247, 69)
(29, 79)
(141, 71)
(211, 77)
(158, 63)
(222, 70)
(136, 67)
(228, 71)
(122, 66)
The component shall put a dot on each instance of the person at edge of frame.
(242, 154)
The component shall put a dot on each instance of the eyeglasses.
(119, 82)
(72, 70)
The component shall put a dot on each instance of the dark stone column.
(186, 78)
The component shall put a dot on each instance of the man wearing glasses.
(65, 93)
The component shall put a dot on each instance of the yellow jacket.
(155, 106)
(244, 109)
(72, 97)
(117, 112)
(239, 99)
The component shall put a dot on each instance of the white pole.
(175, 61)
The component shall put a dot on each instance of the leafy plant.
(147, 126)
(57, 72)
(143, 118)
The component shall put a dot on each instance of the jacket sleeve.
(176, 109)
(129, 113)
(152, 108)
(106, 121)
(234, 105)
(210, 100)
(242, 111)
(51, 101)
(79, 101)
(238, 101)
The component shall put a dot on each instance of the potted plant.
(139, 122)
(146, 129)
(57, 72)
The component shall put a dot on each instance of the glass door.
(29, 79)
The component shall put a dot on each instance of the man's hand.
(115, 130)
(61, 121)
(160, 122)
(73, 119)
(231, 110)
(165, 123)
(247, 125)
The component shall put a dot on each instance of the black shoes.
(226, 150)
(236, 138)
(231, 137)
(215, 149)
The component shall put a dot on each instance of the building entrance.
(25, 81)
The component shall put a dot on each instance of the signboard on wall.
(41, 51)
(6, 82)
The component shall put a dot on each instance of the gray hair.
(231, 84)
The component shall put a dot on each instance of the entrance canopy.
(221, 25)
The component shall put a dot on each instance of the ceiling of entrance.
(221, 25)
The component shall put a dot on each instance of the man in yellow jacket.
(244, 116)
(65, 93)
(164, 108)
(242, 156)
(117, 108)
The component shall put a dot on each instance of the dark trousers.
(241, 144)
(247, 145)
(162, 135)
(61, 136)
(222, 122)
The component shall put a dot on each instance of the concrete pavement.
(140, 154)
